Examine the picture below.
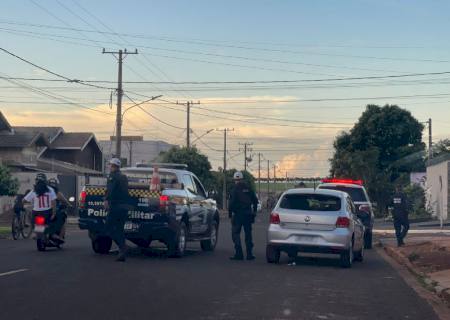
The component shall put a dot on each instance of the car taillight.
(274, 218)
(342, 222)
(164, 203)
(82, 201)
(39, 220)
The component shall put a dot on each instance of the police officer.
(116, 203)
(400, 215)
(242, 210)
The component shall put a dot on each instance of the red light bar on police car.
(349, 181)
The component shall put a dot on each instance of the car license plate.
(130, 226)
(39, 228)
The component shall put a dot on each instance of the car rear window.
(168, 179)
(357, 194)
(310, 202)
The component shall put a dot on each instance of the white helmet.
(116, 162)
(238, 175)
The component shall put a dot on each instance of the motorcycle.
(45, 232)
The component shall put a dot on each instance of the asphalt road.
(75, 283)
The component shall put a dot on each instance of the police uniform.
(242, 211)
(400, 215)
(118, 200)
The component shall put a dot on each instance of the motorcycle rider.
(61, 204)
(43, 199)
(242, 211)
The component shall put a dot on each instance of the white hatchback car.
(315, 221)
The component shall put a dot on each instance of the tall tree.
(197, 163)
(382, 148)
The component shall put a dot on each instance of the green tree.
(382, 148)
(441, 147)
(8, 184)
(197, 163)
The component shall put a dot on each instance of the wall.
(437, 189)
(23, 155)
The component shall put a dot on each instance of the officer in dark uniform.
(116, 203)
(400, 215)
(242, 210)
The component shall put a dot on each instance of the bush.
(417, 201)
(8, 184)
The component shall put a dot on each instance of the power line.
(51, 72)
(215, 44)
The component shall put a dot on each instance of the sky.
(267, 69)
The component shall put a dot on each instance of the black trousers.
(401, 226)
(115, 221)
(239, 222)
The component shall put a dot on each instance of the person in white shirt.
(42, 197)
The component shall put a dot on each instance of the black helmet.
(41, 177)
(53, 182)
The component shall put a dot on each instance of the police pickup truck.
(181, 211)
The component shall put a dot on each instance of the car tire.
(368, 240)
(102, 245)
(210, 244)
(40, 244)
(177, 248)
(272, 254)
(359, 255)
(346, 258)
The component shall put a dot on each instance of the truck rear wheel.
(210, 244)
(101, 245)
(177, 248)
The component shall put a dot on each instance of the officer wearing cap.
(116, 202)
(242, 210)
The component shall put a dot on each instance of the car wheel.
(178, 247)
(368, 240)
(40, 244)
(102, 245)
(210, 244)
(272, 254)
(346, 259)
(359, 255)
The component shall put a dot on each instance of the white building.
(135, 151)
(437, 186)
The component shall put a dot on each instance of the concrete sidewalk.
(426, 255)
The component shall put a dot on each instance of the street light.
(207, 132)
(140, 103)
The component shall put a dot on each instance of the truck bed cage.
(162, 165)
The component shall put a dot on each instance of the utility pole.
(259, 175)
(430, 142)
(224, 187)
(268, 178)
(188, 105)
(246, 149)
(121, 55)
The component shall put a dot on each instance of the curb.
(428, 283)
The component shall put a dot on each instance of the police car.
(175, 211)
(361, 200)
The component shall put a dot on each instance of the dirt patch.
(428, 256)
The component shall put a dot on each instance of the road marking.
(12, 272)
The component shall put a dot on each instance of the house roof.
(21, 140)
(72, 140)
(50, 133)
(439, 159)
(4, 124)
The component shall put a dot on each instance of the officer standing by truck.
(242, 211)
(116, 203)
(400, 215)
